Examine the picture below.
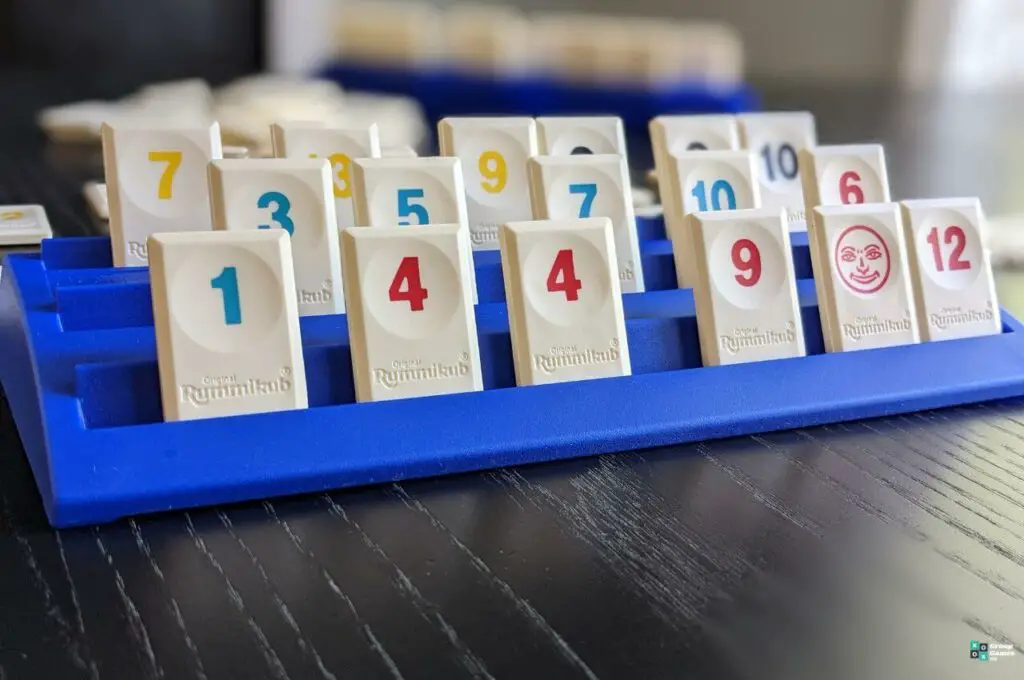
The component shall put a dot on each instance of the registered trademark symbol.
(615, 342)
(464, 357)
(285, 372)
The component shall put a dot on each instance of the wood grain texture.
(873, 549)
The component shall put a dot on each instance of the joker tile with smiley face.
(862, 277)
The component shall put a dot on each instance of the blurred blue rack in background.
(449, 92)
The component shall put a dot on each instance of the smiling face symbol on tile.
(862, 259)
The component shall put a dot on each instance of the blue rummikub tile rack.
(449, 92)
(79, 371)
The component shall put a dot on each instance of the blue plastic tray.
(80, 375)
(446, 92)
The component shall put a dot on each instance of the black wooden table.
(861, 551)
